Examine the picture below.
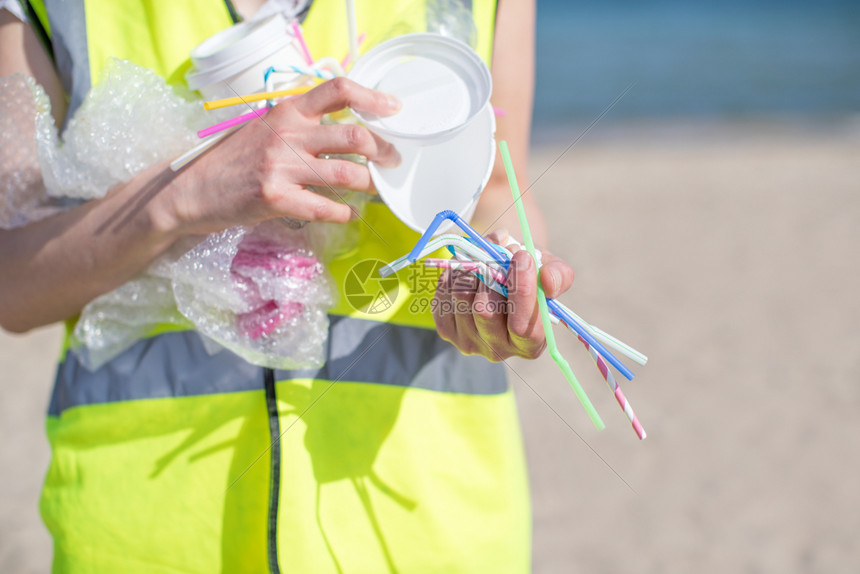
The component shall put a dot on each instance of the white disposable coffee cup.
(444, 131)
(235, 60)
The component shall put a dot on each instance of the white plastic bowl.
(442, 83)
(448, 175)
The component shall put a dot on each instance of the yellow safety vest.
(398, 455)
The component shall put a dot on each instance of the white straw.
(609, 340)
(197, 150)
(312, 71)
(329, 63)
(437, 242)
(353, 31)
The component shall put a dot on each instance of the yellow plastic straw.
(215, 104)
(544, 311)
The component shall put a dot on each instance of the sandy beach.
(731, 256)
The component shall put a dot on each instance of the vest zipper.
(275, 470)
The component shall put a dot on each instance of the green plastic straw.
(544, 311)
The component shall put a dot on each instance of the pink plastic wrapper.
(268, 260)
(261, 292)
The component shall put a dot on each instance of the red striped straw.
(231, 122)
(613, 385)
(297, 32)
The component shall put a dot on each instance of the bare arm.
(513, 92)
(52, 268)
(22, 52)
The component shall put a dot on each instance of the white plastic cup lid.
(449, 175)
(441, 82)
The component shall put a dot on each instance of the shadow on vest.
(344, 430)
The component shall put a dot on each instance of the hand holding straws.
(471, 255)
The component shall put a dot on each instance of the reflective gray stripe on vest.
(169, 365)
(178, 365)
(69, 38)
(371, 352)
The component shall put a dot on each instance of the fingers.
(446, 325)
(337, 173)
(348, 138)
(488, 314)
(292, 162)
(455, 293)
(524, 323)
(474, 318)
(499, 236)
(464, 290)
(340, 93)
(309, 206)
(556, 276)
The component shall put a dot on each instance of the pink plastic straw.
(346, 59)
(231, 122)
(297, 31)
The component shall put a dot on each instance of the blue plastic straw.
(461, 223)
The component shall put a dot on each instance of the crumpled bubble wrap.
(453, 19)
(23, 198)
(129, 121)
(260, 292)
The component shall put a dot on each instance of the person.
(402, 453)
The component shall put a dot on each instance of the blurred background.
(713, 218)
(731, 60)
